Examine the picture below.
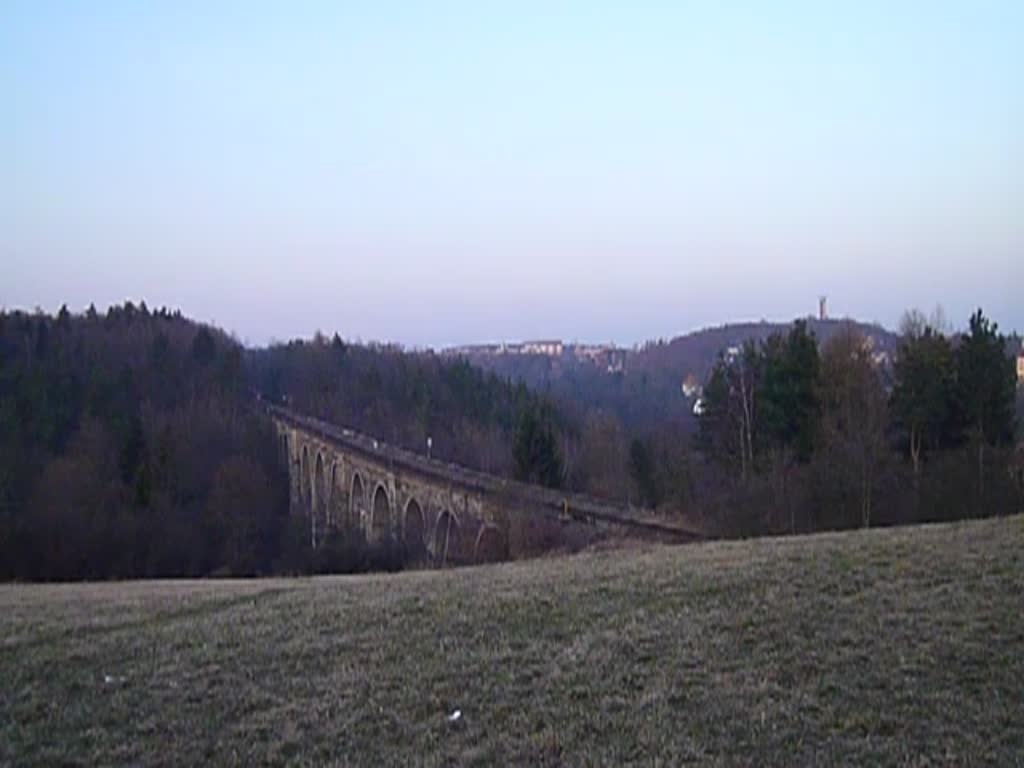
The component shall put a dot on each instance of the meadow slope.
(901, 646)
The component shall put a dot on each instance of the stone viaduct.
(443, 513)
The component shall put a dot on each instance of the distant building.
(549, 348)
(1020, 366)
(606, 356)
(691, 386)
(474, 350)
(588, 353)
(616, 361)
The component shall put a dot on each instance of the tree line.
(469, 416)
(128, 448)
(798, 437)
(131, 443)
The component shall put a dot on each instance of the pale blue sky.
(448, 172)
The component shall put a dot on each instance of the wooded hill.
(132, 442)
(647, 393)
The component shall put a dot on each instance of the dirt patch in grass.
(902, 646)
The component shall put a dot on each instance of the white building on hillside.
(549, 348)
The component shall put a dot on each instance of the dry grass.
(886, 647)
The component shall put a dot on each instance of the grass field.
(894, 647)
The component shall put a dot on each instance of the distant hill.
(643, 386)
(695, 353)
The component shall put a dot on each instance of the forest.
(129, 448)
(799, 436)
(132, 443)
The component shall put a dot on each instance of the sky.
(453, 172)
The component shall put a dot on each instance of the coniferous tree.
(985, 383)
(535, 451)
(923, 402)
(642, 470)
(789, 393)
